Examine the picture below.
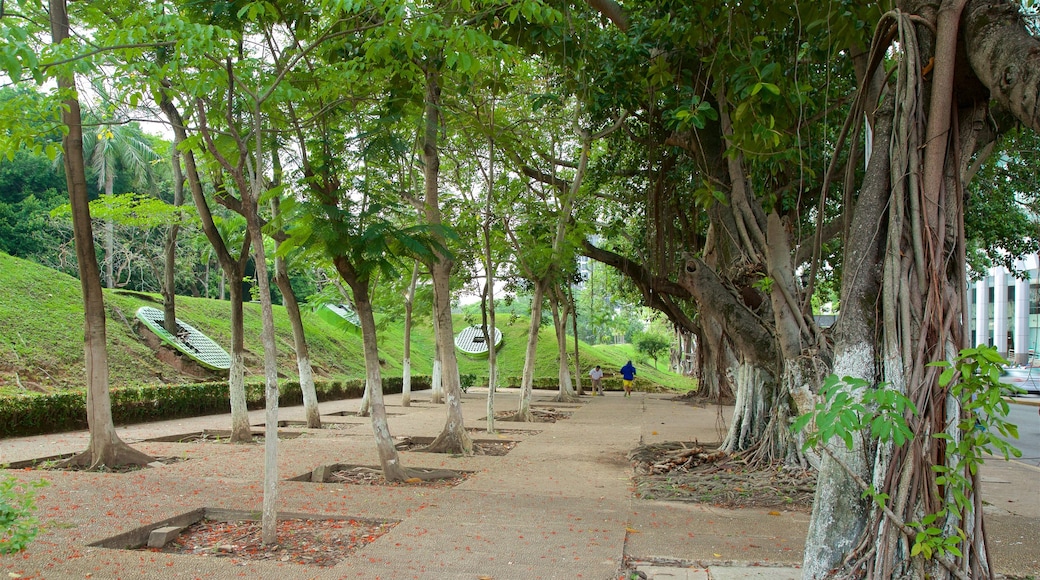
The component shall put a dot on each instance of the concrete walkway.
(559, 505)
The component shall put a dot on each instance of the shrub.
(22, 415)
(18, 525)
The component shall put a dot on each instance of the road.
(1028, 420)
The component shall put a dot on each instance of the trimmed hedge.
(553, 383)
(22, 415)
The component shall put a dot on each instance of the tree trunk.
(839, 512)
(437, 385)
(303, 362)
(406, 365)
(488, 314)
(912, 289)
(241, 431)
(388, 458)
(230, 268)
(105, 447)
(454, 438)
(110, 235)
(365, 409)
(523, 413)
(292, 308)
(170, 250)
(577, 354)
(558, 307)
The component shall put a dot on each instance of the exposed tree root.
(116, 454)
(566, 398)
(657, 458)
(518, 417)
(398, 474)
(452, 441)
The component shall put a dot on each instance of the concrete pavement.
(559, 505)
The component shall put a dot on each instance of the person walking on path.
(596, 375)
(628, 374)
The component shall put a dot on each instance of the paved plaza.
(558, 505)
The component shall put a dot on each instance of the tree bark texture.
(902, 295)
(232, 268)
(560, 314)
(453, 438)
(388, 457)
(303, 362)
(105, 447)
(406, 365)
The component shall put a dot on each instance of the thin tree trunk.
(365, 409)
(230, 268)
(303, 361)
(577, 354)
(436, 386)
(559, 314)
(406, 366)
(487, 310)
(241, 431)
(454, 438)
(388, 457)
(170, 250)
(110, 235)
(105, 446)
(292, 309)
(523, 413)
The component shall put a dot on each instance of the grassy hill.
(41, 339)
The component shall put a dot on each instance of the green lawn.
(41, 339)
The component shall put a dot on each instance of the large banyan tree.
(750, 185)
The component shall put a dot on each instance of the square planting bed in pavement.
(502, 433)
(541, 415)
(318, 540)
(51, 463)
(355, 415)
(296, 423)
(495, 447)
(553, 404)
(373, 475)
(218, 436)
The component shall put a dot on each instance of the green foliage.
(973, 379)
(1004, 196)
(467, 380)
(652, 344)
(849, 407)
(22, 415)
(764, 285)
(18, 525)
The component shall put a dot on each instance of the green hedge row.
(22, 415)
(553, 383)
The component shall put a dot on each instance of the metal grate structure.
(471, 341)
(195, 345)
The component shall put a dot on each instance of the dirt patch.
(220, 436)
(502, 432)
(693, 473)
(319, 542)
(480, 446)
(362, 475)
(695, 399)
(540, 414)
(56, 463)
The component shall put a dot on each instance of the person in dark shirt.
(628, 374)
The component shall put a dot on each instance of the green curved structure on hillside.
(341, 316)
(470, 341)
(189, 341)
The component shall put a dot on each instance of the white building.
(1006, 311)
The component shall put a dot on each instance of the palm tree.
(115, 148)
